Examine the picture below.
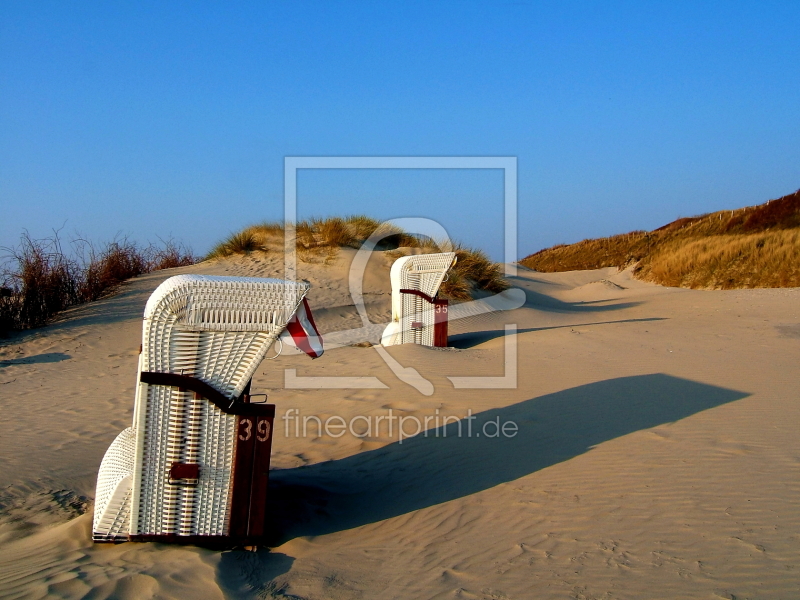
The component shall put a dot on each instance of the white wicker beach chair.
(418, 317)
(194, 465)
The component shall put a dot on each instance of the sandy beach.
(655, 454)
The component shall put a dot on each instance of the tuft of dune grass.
(362, 226)
(243, 242)
(318, 237)
(475, 266)
(333, 232)
(755, 246)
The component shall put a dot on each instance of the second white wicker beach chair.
(194, 465)
(418, 317)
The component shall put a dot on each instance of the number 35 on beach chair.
(418, 316)
(194, 466)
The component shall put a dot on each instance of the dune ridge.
(751, 247)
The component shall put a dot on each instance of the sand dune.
(657, 452)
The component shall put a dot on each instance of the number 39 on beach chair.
(194, 466)
(418, 316)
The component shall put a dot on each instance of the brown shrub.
(116, 263)
(39, 279)
(172, 255)
(44, 283)
(783, 213)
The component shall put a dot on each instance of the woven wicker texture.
(217, 329)
(112, 499)
(420, 272)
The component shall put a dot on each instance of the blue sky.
(159, 119)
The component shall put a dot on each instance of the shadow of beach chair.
(418, 317)
(194, 465)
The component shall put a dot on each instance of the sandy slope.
(657, 453)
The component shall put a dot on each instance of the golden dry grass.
(615, 251)
(756, 246)
(474, 268)
(318, 240)
(758, 260)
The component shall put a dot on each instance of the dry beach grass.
(753, 247)
(318, 237)
(40, 278)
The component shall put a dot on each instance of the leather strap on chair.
(420, 294)
(232, 407)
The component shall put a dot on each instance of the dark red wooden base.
(440, 308)
(251, 474)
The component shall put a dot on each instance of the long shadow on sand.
(473, 338)
(243, 574)
(47, 357)
(428, 470)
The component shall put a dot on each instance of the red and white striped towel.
(302, 333)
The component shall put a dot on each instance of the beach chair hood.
(415, 280)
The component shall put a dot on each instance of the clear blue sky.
(170, 118)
